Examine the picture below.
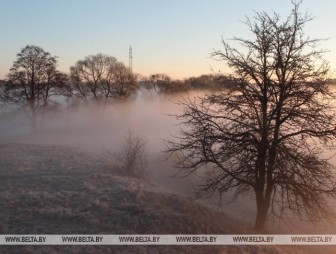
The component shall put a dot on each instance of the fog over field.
(101, 131)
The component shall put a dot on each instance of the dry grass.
(62, 190)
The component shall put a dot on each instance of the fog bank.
(101, 129)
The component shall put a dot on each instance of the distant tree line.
(163, 84)
(36, 86)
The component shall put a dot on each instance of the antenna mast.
(130, 59)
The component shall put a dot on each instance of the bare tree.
(133, 154)
(33, 81)
(125, 84)
(213, 82)
(267, 135)
(100, 78)
(159, 82)
(163, 84)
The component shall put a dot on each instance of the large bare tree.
(100, 78)
(266, 136)
(32, 83)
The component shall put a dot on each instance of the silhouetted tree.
(266, 135)
(33, 81)
(163, 84)
(203, 81)
(213, 82)
(100, 78)
(177, 86)
(159, 82)
(125, 84)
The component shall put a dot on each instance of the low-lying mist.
(101, 130)
(98, 129)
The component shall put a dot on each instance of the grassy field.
(63, 190)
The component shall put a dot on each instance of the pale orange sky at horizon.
(169, 36)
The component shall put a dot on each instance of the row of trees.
(35, 85)
(162, 84)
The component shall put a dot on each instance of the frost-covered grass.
(52, 190)
(63, 190)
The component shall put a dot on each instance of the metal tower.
(130, 58)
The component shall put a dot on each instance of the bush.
(133, 155)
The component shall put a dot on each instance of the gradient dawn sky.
(174, 37)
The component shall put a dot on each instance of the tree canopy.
(32, 82)
(266, 136)
(100, 78)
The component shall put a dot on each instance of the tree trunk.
(262, 211)
(263, 205)
(33, 116)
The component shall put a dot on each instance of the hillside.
(57, 189)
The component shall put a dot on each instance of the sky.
(175, 37)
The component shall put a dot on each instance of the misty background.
(101, 130)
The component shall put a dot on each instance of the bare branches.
(133, 155)
(266, 134)
(32, 81)
(100, 78)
